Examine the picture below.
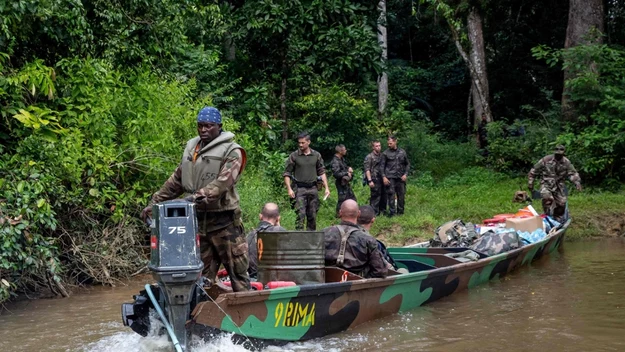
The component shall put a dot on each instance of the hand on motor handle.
(146, 213)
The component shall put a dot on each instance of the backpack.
(454, 234)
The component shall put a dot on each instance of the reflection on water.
(569, 301)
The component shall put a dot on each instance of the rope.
(228, 316)
(170, 331)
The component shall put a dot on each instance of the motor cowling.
(175, 261)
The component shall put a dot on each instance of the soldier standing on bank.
(395, 167)
(343, 175)
(373, 176)
(303, 167)
(211, 166)
(553, 171)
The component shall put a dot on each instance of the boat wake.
(155, 342)
(128, 341)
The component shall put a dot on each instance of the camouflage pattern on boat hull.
(310, 311)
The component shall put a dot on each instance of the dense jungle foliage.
(97, 99)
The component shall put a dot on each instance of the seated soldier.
(349, 247)
(269, 222)
(365, 220)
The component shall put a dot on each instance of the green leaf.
(48, 135)
(94, 192)
(41, 203)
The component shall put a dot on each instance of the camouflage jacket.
(362, 255)
(372, 164)
(389, 262)
(213, 192)
(339, 170)
(394, 163)
(553, 173)
(263, 226)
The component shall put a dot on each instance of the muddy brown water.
(573, 300)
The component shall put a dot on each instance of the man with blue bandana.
(210, 168)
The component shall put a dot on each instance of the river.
(573, 300)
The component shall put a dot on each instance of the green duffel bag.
(491, 243)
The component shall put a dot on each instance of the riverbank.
(472, 196)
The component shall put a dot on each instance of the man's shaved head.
(270, 211)
(349, 210)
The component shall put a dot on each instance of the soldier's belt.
(306, 185)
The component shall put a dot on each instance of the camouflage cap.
(560, 149)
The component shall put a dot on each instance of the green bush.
(334, 115)
(82, 166)
(516, 147)
(29, 257)
(596, 87)
(429, 154)
(597, 138)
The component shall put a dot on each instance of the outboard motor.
(176, 265)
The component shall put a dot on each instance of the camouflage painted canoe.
(311, 311)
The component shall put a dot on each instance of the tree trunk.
(584, 17)
(229, 47)
(479, 75)
(469, 104)
(383, 78)
(285, 122)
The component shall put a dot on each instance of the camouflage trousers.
(377, 200)
(226, 246)
(344, 192)
(396, 188)
(307, 205)
(554, 202)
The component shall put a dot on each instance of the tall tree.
(383, 77)
(470, 45)
(479, 88)
(585, 16)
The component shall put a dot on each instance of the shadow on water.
(572, 300)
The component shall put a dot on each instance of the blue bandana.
(209, 115)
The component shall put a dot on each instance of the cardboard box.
(529, 224)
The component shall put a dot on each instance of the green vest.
(206, 169)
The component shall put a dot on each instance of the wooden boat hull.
(311, 311)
